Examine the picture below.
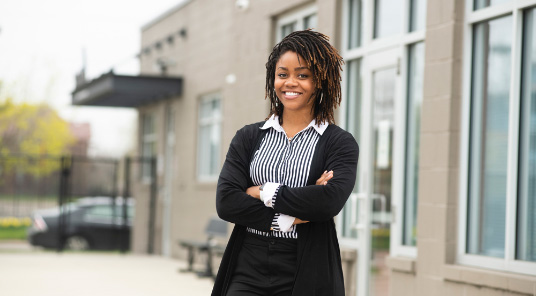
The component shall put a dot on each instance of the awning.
(111, 90)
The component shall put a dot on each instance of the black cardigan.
(319, 271)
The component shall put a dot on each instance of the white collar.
(273, 122)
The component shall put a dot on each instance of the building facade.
(440, 95)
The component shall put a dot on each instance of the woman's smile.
(289, 95)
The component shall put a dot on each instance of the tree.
(32, 130)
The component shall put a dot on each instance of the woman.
(285, 179)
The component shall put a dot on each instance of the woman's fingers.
(320, 180)
(329, 176)
(299, 221)
(326, 176)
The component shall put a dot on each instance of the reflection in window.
(301, 21)
(489, 137)
(209, 138)
(148, 144)
(387, 18)
(353, 116)
(415, 81)
(310, 22)
(110, 211)
(287, 29)
(526, 223)
(478, 4)
(417, 15)
(354, 23)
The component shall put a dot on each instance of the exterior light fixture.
(242, 4)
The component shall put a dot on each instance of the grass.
(13, 233)
(13, 228)
(380, 239)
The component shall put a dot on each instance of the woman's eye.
(303, 75)
(281, 75)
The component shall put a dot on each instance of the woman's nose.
(291, 82)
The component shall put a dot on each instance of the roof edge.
(165, 14)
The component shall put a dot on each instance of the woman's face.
(293, 83)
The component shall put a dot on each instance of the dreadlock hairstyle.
(325, 64)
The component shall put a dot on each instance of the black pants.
(266, 266)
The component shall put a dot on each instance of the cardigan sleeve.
(323, 202)
(232, 202)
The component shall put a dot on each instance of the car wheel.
(77, 243)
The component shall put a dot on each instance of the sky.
(42, 45)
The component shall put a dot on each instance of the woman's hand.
(299, 221)
(254, 191)
(323, 180)
(326, 176)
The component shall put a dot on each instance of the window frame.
(215, 120)
(296, 15)
(509, 262)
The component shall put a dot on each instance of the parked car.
(90, 223)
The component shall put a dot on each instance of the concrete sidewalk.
(92, 274)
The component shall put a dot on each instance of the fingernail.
(325, 182)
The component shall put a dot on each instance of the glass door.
(381, 142)
(373, 85)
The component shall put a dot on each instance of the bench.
(215, 228)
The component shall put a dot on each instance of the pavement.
(29, 272)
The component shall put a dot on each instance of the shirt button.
(272, 242)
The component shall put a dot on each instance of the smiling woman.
(318, 60)
(294, 84)
(285, 179)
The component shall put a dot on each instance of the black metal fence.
(32, 184)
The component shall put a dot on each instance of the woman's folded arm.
(232, 202)
(323, 202)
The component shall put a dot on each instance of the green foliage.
(30, 129)
(13, 233)
(12, 228)
(380, 238)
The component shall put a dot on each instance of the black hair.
(325, 64)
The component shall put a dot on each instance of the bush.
(14, 228)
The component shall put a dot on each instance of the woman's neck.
(293, 123)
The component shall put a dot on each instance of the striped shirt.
(283, 161)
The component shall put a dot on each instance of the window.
(108, 214)
(148, 144)
(498, 181)
(489, 137)
(354, 23)
(479, 4)
(209, 138)
(413, 131)
(417, 17)
(353, 112)
(526, 220)
(109, 211)
(299, 19)
(387, 18)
